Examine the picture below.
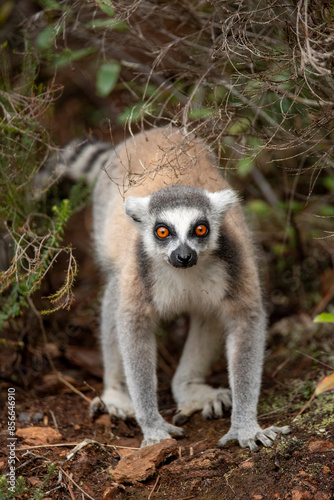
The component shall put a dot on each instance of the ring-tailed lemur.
(171, 238)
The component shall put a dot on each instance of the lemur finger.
(225, 397)
(230, 436)
(260, 436)
(218, 408)
(117, 412)
(280, 430)
(250, 443)
(270, 433)
(208, 410)
(173, 430)
(96, 406)
(180, 418)
(214, 408)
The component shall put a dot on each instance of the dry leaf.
(324, 385)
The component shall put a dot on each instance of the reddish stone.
(320, 445)
(142, 464)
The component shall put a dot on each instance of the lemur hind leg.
(203, 346)
(115, 398)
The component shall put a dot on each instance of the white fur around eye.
(182, 220)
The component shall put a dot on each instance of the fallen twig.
(70, 490)
(155, 484)
(81, 445)
(75, 484)
(28, 448)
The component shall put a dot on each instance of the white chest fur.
(200, 288)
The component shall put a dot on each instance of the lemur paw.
(249, 436)
(114, 402)
(198, 397)
(166, 431)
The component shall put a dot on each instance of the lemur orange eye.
(201, 230)
(162, 232)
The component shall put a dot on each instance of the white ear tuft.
(136, 208)
(223, 200)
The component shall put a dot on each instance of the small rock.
(38, 416)
(24, 417)
(320, 446)
(143, 463)
(303, 473)
(39, 435)
(34, 481)
(246, 465)
(112, 491)
(301, 495)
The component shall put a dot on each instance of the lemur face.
(181, 234)
(179, 223)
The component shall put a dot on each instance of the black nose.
(184, 259)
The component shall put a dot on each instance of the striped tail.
(81, 158)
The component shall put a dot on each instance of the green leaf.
(106, 7)
(324, 318)
(328, 182)
(239, 127)
(68, 56)
(259, 207)
(326, 211)
(111, 24)
(46, 37)
(134, 113)
(245, 166)
(199, 113)
(51, 4)
(107, 77)
(255, 143)
(5, 11)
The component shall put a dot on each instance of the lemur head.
(180, 223)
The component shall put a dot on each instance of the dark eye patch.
(200, 222)
(171, 231)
